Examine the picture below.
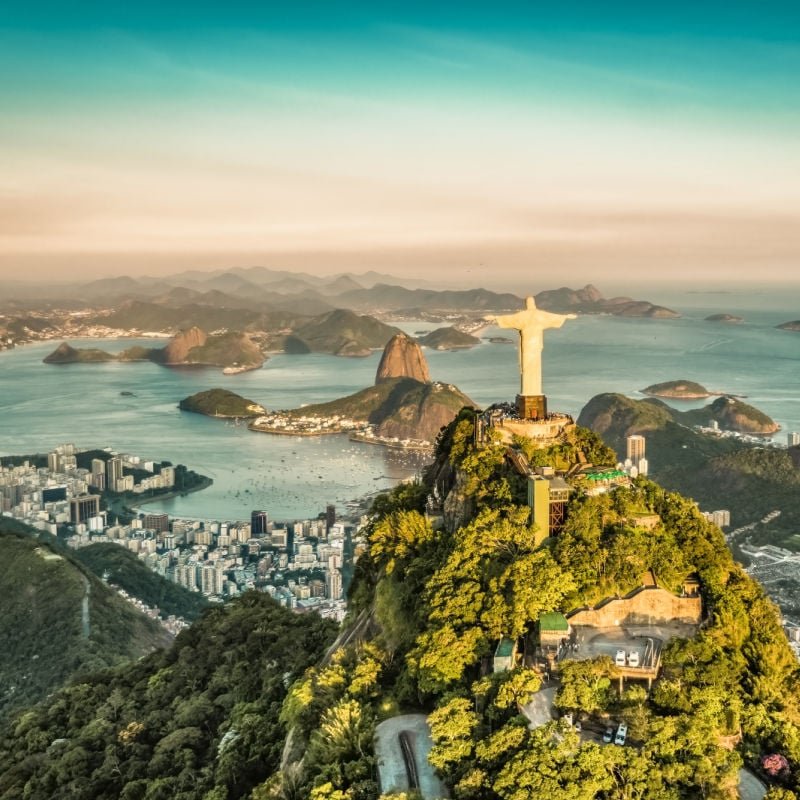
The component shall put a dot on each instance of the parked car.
(620, 658)
(633, 658)
(608, 736)
(622, 732)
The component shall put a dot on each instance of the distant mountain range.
(257, 294)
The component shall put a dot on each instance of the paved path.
(391, 763)
(540, 710)
(750, 787)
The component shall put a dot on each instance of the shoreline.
(205, 483)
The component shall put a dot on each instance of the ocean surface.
(44, 405)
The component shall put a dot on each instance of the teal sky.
(578, 136)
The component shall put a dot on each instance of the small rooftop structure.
(505, 655)
(553, 627)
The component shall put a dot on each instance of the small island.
(678, 390)
(66, 354)
(221, 403)
(234, 351)
(729, 318)
(448, 339)
(794, 325)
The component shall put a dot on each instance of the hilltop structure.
(529, 416)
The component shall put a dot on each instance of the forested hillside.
(198, 720)
(122, 568)
(59, 622)
(441, 600)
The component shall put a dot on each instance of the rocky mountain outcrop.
(178, 348)
(794, 325)
(402, 358)
(734, 415)
(615, 416)
(66, 354)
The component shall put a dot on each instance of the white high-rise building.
(334, 577)
(636, 448)
(794, 439)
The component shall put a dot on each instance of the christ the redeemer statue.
(531, 324)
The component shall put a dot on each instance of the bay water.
(44, 405)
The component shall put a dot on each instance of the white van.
(620, 658)
(622, 732)
(633, 658)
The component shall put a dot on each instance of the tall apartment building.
(156, 522)
(82, 508)
(330, 517)
(794, 439)
(636, 448)
(258, 522)
(113, 472)
(334, 577)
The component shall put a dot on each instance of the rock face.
(419, 411)
(402, 358)
(734, 415)
(177, 351)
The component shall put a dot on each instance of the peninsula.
(403, 409)
(615, 416)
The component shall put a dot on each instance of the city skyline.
(400, 138)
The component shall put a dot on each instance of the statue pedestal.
(532, 406)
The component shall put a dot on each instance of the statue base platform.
(543, 432)
(531, 406)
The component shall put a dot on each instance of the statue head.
(530, 303)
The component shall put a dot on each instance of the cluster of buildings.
(64, 493)
(299, 564)
(721, 518)
(281, 422)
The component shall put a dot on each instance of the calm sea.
(43, 405)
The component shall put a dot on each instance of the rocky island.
(730, 318)
(66, 354)
(221, 403)
(403, 409)
(450, 338)
(678, 390)
(794, 325)
(232, 350)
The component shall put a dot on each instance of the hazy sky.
(588, 138)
